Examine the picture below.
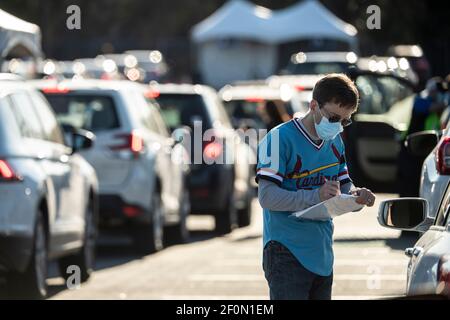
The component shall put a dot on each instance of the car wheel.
(245, 214)
(32, 284)
(179, 233)
(226, 218)
(148, 238)
(85, 258)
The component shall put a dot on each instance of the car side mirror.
(403, 213)
(82, 140)
(422, 143)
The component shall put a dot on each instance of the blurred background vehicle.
(152, 64)
(222, 190)
(256, 105)
(305, 63)
(142, 191)
(399, 67)
(429, 265)
(373, 140)
(416, 59)
(48, 193)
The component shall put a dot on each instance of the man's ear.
(313, 105)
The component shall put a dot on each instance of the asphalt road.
(369, 264)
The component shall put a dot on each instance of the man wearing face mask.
(301, 163)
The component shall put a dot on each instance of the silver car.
(48, 194)
(429, 266)
(434, 146)
(142, 191)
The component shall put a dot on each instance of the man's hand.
(329, 189)
(365, 196)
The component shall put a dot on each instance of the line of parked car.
(81, 156)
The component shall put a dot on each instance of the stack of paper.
(330, 208)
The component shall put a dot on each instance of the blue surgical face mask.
(327, 130)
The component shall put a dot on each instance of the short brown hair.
(336, 88)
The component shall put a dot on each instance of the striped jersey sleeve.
(343, 175)
(271, 158)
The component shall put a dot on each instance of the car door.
(425, 255)
(53, 163)
(162, 145)
(373, 140)
(73, 193)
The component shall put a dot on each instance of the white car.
(428, 270)
(48, 194)
(435, 176)
(141, 189)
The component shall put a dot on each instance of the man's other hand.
(365, 196)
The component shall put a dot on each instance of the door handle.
(409, 252)
(416, 251)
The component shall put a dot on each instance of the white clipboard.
(330, 208)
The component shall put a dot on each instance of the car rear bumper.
(115, 211)
(15, 252)
(209, 188)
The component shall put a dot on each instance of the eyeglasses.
(333, 119)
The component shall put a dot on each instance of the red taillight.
(132, 211)
(299, 87)
(443, 156)
(213, 150)
(55, 90)
(7, 173)
(152, 94)
(131, 141)
(443, 278)
(254, 99)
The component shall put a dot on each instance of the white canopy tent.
(236, 19)
(232, 44)
(309, 19)
(18, 37)
(240, 40)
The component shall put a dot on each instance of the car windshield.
(318, 67)
(379, 94)
(182, 110)
(253, 112)
(89, 112)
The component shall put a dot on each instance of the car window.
(51, 128)
(371, 97)
(224, 119)
(26, 116)
(379, 93)
(443, 211)
(156, 112)
(91, 112)
(182, 109)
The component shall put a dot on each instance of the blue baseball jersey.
(289, 157)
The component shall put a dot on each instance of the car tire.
(148, 238)
(245, 214)
(226, 217)
(85, 258)
(31, 284)
(179, 233)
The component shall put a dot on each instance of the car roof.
(243, 92)
(184, 88)
(85, 84)
(300, 82)
(326, 56)
(8, 85)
